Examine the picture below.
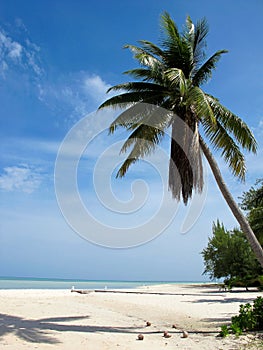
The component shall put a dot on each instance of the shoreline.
(59, 319)
(44, 283)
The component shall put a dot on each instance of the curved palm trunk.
(232, 204)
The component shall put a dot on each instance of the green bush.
(250, 318)
(224, 331)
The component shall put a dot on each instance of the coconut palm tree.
(167, 90)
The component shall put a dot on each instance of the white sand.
(59, 319)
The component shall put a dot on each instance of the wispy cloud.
(18, 54)
(22, 178)
(70, 95)
(74, 95)
(9, 48)
(259, 129)
(95, 87)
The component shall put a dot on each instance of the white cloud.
(4, 67)
(96, 88)
(74, 95)
(70, 96)
(15, 50)
(18, 54)
(9, 48)
(260, 126)
(20, 178)
(65, 99)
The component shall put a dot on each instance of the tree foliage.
(228, 255)
(170, 76)
(252, 202)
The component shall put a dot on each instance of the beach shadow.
(34, 331)
(217, 321)
(38, 330)
(28, 330)
(214, 288)
(223, 300)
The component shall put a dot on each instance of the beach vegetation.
(228, 255)
(252, 203)
(166, 88)
(250, 318)
(224, 331)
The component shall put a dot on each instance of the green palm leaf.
(130, 98)
(230, 151)
(144, 138)
(195, 35)
(152, 48)
(136, 87)
(176, 79)
(145, 58)
(149, 75)
(200, 105)
(205, 71)
(176, 49)
(234, 124)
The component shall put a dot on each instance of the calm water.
(37, 283)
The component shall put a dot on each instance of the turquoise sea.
(44, 283)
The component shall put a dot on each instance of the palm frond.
(145, 58)
(142, 113)
(205, 71)
(130, 117)
(144, 138)
(141, 73)
(130, 98)
(234, 124)
(189, 29)
(185, 167)
(200, 105)
(155, 74)
(189, 35)
(122, 100)
(125, 166)
(198, 40)
(170, 29)
(230, 151)
(136, 86)
(152, 48)
(176, 49)
(176, 78)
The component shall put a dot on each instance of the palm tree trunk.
(232, 204)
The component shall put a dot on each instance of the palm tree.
(169, 79)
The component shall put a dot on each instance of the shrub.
(250, 318)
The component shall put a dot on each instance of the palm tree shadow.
(37, 330)
(28, 330)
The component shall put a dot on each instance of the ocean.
(45, 283)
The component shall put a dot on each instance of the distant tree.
(229, 255)
(252, 201)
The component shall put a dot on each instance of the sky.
(63, 213)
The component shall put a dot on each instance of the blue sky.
(57, 59)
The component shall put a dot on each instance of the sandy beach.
(61, 319)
